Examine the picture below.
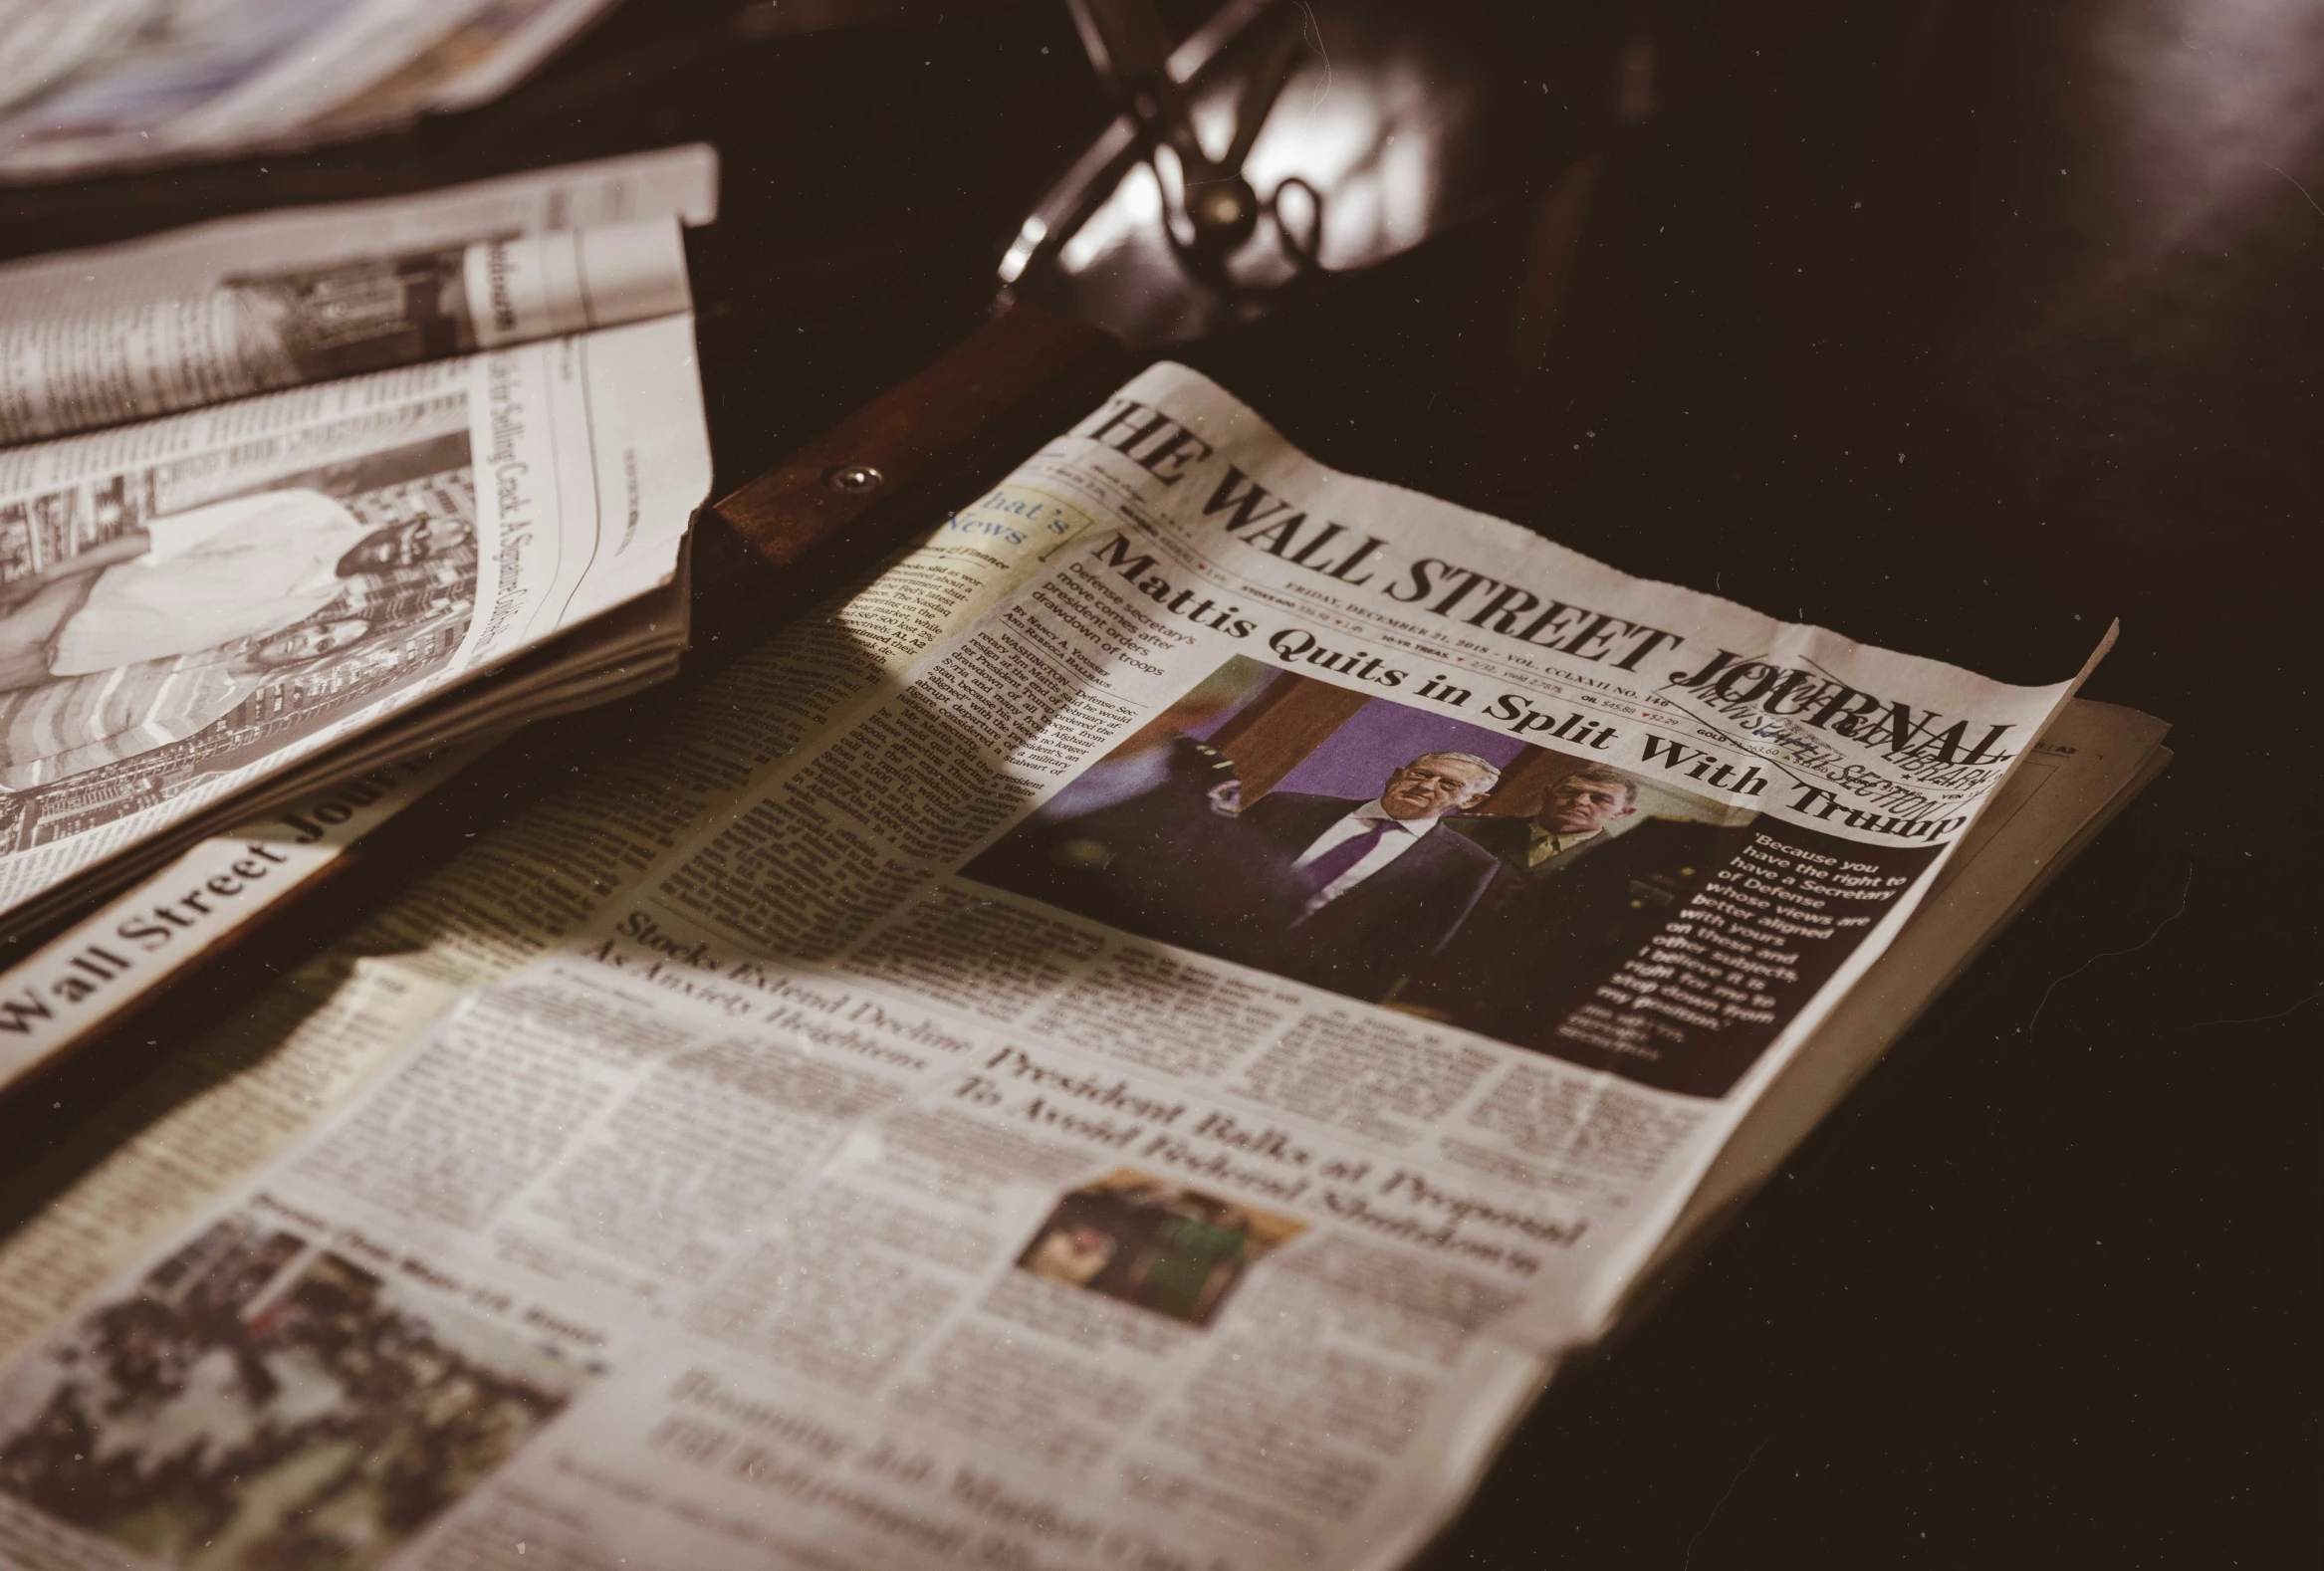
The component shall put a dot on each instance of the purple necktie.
(1325, 870)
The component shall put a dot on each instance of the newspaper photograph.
(191, 603)
(1143, 1037)
(260, 1400)
(96, 85)
(1145, 1240)
(1337, 877)
(159, 619)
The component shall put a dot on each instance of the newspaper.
(95, 86)
(247, 305)
(918, 1100)
(192, 603)
(92, 972)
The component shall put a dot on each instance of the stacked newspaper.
(89, 86)
(279, 489)
(1141, 1036)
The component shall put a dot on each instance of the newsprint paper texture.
(246, 305)
(92, 85)
(1138, 1039)
(199, 588)
(191, 603)
(170, 921)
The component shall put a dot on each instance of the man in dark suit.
(1158, 856)
(1571, 902)
(1343, 893)
(1377, 886)
(1574, 817)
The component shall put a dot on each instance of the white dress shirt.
(1392, 846)
(240, 568)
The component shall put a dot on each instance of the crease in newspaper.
(173, 331)
(337, 554)
(121, 951)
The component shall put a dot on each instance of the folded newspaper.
(1141, 1036)
(92, 85)
(280, 484)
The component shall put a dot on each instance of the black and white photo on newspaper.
(192, 604)
(142, 610)
(277, 478)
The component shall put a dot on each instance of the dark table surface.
(1957, 326)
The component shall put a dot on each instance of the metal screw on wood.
(853, 479)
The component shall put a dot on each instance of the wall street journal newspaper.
(418, 439)
(1138, 1038)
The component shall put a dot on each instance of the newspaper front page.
(1139, 1039)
